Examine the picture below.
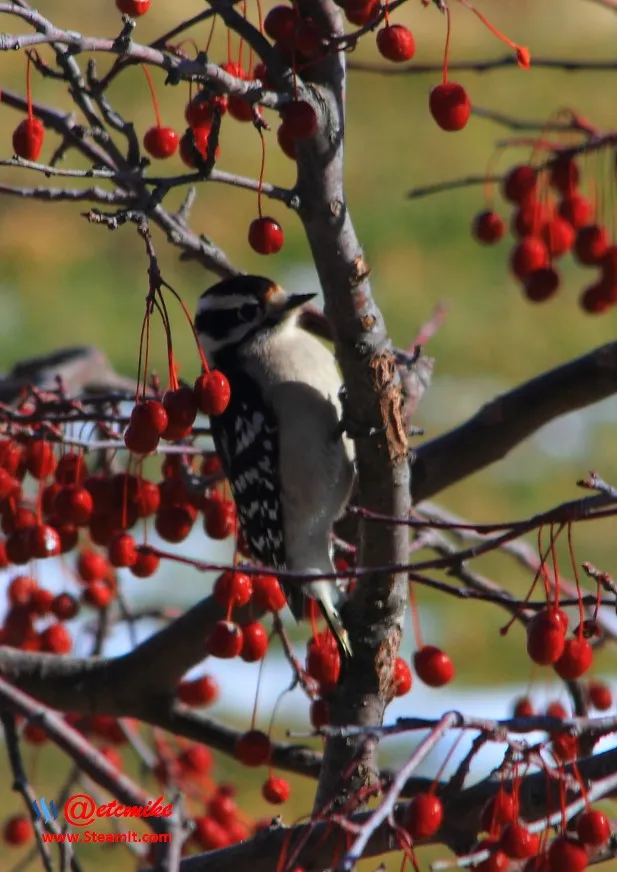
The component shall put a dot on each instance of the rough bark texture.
(375, 613)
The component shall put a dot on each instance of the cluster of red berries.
(598, 694)
(509, 839)
(551, 218)
(172, 418)
(547, 644)
(78, 510)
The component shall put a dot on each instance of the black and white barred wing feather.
(246, 439)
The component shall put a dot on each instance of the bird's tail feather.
(324, 592)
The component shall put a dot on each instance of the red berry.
(97, 594)
(275, 790)
(174, 523)
(73, 505)
(559, 235)
(564, 174)
(200, 691)
(497, 862)
(319, 713)
(286, 142)
(450, 106)
(12, 458)
(196, 760)
(323, 661)
(488, 227)
(590, 244)
(223, 808)
(212, 392)
(64, 606)
(529, 255)
(565, 747)
(518, 843)
(520, 184)
(253, 748)
(241, 109)
(575, 659)
(424, 816)
(254, 642)
(280, 22)
(195, 139)
(541, 284)
(56, 639)
(545, 637)
(265, 236)
(122, 550)
(224, 640)
(134, 8)
(299, 120)
(209, 834)
(148, 499)
(402, 677)
(307, 38)
(396, 43)
(556, 710)
(200, 111)
(40, 602)
(232, 589)
(433, 666)
(181, 407)
(363, 12)
(530, 218)
(146, 564)
(40, 459)
(499, 811)
(161, 142)
(44, 541)
(593, 828)
(523, 708)
(219, 517)
(149, 415)
(597, 298)
(20, 590)
(17, 830)
(268, 593)
(577, 210)
(92, 566)
(600, 696)
(71, 469)
(260, 73)
(8, 485)
(34, 734)
(28, 138)
(567, 855)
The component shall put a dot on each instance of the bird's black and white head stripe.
(234, 310)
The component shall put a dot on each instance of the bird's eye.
(247, 312)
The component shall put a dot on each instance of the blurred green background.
(64, 281)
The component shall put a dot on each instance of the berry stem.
(555, 564)
(202, 356)
(415, 617)
(29, 88)
(255, 703)
(211, 34)
(523, 57)
(579, 593)
(241, 46)
(262, 168)
(446, 51)
(155, 102)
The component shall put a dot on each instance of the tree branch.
(505, 422)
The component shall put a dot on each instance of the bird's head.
(235, 310)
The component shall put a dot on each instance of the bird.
(281, 440)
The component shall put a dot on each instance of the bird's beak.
(294, 301)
